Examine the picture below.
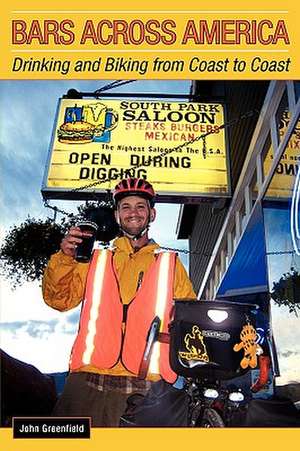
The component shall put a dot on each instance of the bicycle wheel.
(211, 419)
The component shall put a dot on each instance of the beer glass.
(84, 250)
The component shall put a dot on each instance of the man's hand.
(71, 240)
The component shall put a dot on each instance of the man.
(123, 289)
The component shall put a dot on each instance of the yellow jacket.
(64, 282)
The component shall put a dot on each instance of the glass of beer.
(84, 250)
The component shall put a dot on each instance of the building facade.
(246, 247)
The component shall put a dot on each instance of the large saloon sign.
(177, 146)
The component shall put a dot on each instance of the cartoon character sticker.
(250, 346)
(195, 346)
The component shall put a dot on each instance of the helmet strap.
(140, 234)
(135, 237)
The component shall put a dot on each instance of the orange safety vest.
(100, 341)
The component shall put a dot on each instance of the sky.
(30, 330)
(286, 325)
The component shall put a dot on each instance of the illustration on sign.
(92, 122)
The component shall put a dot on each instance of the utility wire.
(114, 84)
(202, 137)
(165, 153)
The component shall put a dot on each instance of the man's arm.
(183, 288)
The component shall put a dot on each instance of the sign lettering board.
(179, 147)
(282, 183)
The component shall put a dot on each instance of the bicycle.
(209, 345)
(211, 406)
(204, 349)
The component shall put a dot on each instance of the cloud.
(27, 115)
(24, 304)
(32, 331)
(163, 230)
(42, 329)
(287, 354)
(73, 317)
(36, 329)
(49, 352)
(285, 328)
(289, 369)
(21, 192)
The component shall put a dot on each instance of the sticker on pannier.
(195, 346)
(214, 346)
(250, 346)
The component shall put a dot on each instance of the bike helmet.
(134, 187)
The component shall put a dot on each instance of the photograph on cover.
(150, 248)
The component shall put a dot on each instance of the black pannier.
(204, 334)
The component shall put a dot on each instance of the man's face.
(134, 213)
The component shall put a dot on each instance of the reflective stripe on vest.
(154, 298)
(99, 340)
